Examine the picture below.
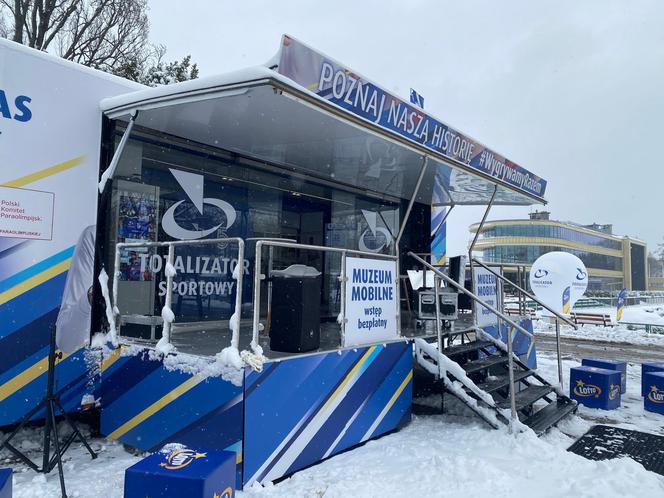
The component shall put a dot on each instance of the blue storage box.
(657, 366)
(595, 387)
(6, 483)
(619, 365)
(182, 472)
(653, 401)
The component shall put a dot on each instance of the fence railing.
(259, 276)
(558, 316)
(238, 275)
(439, 275)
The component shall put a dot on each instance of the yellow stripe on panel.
(389, 405)
(33, 282)
(397, 393)
(25, 377)
(156, 406)
(350, 375)
(112, 358)
(46, 172)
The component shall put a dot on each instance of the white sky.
(572, 91)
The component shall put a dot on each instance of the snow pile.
(111, 310)
(169, 270)
(653, 315)
(230, 356)
(437, 457)
(224, 365)
(234, 325)
(447, 365)
(164, 345)
(620, 333)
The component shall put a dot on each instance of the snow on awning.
(264, 115)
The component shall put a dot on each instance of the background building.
(655, 273)
(613, 261)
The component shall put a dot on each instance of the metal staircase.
(486, 376)
(483, 367)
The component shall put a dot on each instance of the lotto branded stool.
(657, 366)
(653, 401)
(619, 365)
(5, 483)
(595, 387)
(183, 472)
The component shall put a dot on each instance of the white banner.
(26, 213)
(486, 288)
(371, 301)
(50, 130)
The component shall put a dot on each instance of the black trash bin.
(295, 322)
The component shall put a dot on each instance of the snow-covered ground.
(644, 313)
(441, 455)
(621, 332)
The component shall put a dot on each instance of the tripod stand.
(51, 403)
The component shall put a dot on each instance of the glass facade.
(154, 197)
(524, 254)
(528, 254)
(551, 231)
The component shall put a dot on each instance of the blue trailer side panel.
(146, 405)
(300, 411)
(48, 185)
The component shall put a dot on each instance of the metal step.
(469, 347)
(550, 415)
(483, 363)
(503, 380)
(527, 396)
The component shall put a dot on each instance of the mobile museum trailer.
(252, 244)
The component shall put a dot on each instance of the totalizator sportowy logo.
(540, 273)
(374, 238)
(193, 186)
(180, 458)
(614, 391)
(226, 493)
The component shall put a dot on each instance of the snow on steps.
(494, 416)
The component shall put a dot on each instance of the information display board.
(371, 301)
(26, 213)
(486, 288)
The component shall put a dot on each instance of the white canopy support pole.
(110, 171)
(472, 247)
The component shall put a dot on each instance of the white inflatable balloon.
(559, 279)
(578, 276)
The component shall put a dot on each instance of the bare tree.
(104, 34)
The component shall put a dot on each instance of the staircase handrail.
(471, 295)
(526, 293)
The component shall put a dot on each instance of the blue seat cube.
(653, 401)
(657, 366)
(186, 472)
(619, 365)
(6, 483)
(595, 387)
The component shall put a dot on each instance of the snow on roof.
(247, 75)
(54, 59)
